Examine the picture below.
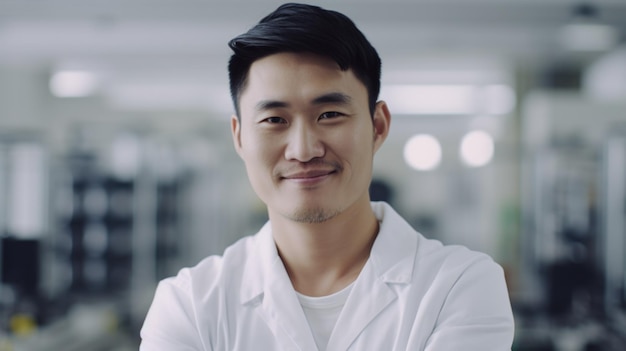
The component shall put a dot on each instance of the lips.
(309, 174)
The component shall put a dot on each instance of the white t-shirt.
(322, 313)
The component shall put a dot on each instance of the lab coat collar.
(266, 284)
(262, 265)
(392, 256)
(267, 288)
(393, 253)
(391, 262)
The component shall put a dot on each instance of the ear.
(235, 129)
(382, 122)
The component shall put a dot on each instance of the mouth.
(309, 177)
(309, 174)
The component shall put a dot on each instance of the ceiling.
(181, 44)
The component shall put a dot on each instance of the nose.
(304, 143)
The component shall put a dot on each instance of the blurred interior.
(117, 167)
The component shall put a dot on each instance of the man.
(330, 270)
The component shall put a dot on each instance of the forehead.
(288, 76)
(293, 60)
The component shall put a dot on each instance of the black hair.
(311, 29)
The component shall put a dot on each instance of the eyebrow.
(330, 98)
(265, 105)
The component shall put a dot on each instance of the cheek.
(259, 152)
(357, 144)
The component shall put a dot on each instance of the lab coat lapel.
(391, 262)
(367, 299)
(270, 292)
(284, 314)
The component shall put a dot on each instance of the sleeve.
(171, 323)
(476, 314)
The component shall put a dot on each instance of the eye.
(330, 114)
(275, 120)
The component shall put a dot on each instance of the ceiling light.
(430, 99)
(449, 99)
(477, 148)
(73, 84)
(422, 152)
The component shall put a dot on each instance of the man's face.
(307, 137)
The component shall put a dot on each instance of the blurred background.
(117, 167)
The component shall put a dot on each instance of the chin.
(312, 215)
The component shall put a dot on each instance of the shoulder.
(448, 267)
(462, 290)
(450, 257)
(214, 272)
(187, 307)
(459, 278)
(206, 282)
(398, 239)
(467, 291)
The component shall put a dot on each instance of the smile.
(309, 177)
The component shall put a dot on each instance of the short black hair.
(302, 28)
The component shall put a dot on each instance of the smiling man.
(330, 270)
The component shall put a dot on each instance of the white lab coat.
(412, 294)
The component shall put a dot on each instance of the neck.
(322, 258)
